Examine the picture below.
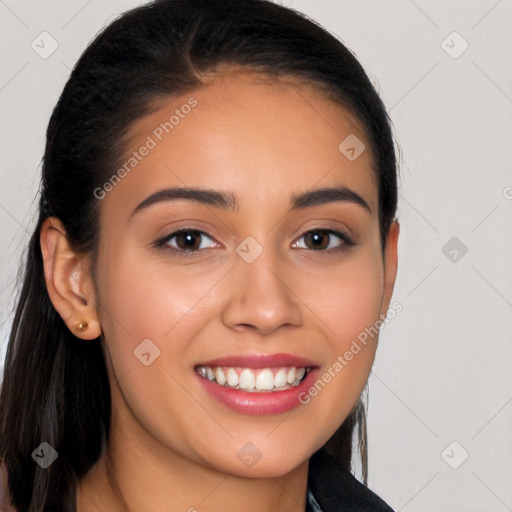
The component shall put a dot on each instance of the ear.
(68, 281)
(390, 265)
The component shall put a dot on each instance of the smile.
(254, 379)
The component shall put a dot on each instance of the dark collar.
(335, 489)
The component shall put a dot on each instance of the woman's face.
(267, 280)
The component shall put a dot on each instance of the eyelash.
(162, 242)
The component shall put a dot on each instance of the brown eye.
(317, 239)
(322, 239)
(188, 239)
(185, 241)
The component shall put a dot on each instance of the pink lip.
(260, 361)
(258, 403)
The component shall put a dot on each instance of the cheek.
(356, 322)
(346, 297)
(348, 303)
(151, 314)
(149, 320)
(143, 299)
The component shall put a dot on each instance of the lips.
(260, 361)
(257, 384)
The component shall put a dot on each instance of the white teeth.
(254, 379)
(246, 380)
(265, 379)
(280, 378)
(232, 377)
(219, 376)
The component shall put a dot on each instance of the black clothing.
(332, 488)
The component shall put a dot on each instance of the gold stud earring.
(82, 326)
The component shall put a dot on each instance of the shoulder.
(337, 489)
(5, 501)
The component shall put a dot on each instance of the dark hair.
(55, 387)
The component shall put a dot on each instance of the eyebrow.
(227, 200)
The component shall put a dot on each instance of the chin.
(267, 462)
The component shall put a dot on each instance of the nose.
(261, 296)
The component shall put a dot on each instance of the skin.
(171, 445)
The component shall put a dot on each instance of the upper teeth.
(251, 379)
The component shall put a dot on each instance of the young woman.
(216, 239)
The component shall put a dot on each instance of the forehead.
(249, 130)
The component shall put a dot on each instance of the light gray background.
(443, 367)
